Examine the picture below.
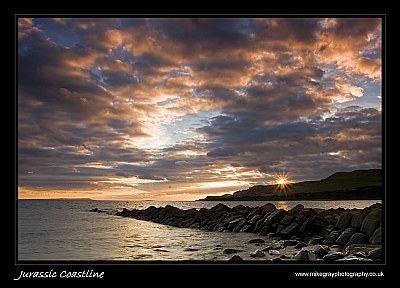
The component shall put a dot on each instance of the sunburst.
(282, 182)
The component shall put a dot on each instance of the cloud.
(195, 104)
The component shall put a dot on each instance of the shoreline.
(299, 234)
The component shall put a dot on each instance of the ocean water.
(66, 230)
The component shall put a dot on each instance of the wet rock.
(257, 240)
(254, 212)
(235, 222)
(279, 228)
(376, 237)
(295, 210)
(247, 228)
(300, 245)
(287, 243)
(375, 254)
(333, 256)
(274, 252)
(239, 225)
(371, 221)
(357, 238)
(275, 217)
(259, 225)
(236, 258)
(287, 220)
(290, 229)
(353, 258)
(318, 250)
(258, 254)
(254, 219)
(267, 208)
(219, 227)
(313, 225)
(365, 248)
(304, 214)
(305, 255)
(345, 236)
(266, 249)
(232, 251)
(358, 217)
(331, 238)
(264, 231)
(344, 220)
(97, 210)
(315, 240)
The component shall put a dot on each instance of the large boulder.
(275, 217)
(358, 217)
(239, 225)
(287, 220)
(345, 236)
(333, 256)
(217, 211)
(267, 208)
(255, 211)
(305, 255)
(344, 220)
(265, 230)
(371, 221)
(289, 230)
(254, 219)
(313, 225)
(258, 226)
(357, 238)
(232, 224)
(375, 253)
(296, 210)
(376, 237)
(331, 238)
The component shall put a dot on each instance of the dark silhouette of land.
(355, 185)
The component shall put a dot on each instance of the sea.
(63, 230)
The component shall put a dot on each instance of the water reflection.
(283, 205)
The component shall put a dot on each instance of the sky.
(177, 109)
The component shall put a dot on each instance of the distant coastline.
(354, 185)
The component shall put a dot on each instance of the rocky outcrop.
(335, 228)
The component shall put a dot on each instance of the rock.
(235, 222)
(287, 220)
(279, 228)
(247, 228)
(219, 227)
(316, 240)
(275, 217)
(353, 258)
(274, 252)
(375, 254)
(257, 240)
(254, 219)
(331, 238)
(264, 231)
(371, 221)
(305, 255)
(258, 226)
(289, 243)
(313, 225)
(304, 214)
(231, 251)
(239, 225)
(344, 220)
(333, 256)
(269, 207)
(258, 254)
(254, 212)
(218, 208)
(365, 248)
(235, 258)
(345, 236)
(295, 210)
(376, 237)
(97, 210)
(290, 230)
(300, 245)
(357, 238)
(318, 250)
(237, 208)
(266, 249)
(358, 217)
